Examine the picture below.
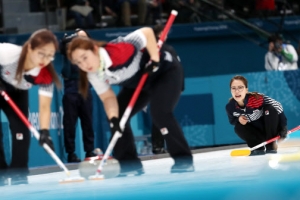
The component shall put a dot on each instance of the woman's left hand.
(243, 119)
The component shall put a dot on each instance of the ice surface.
(216, 176)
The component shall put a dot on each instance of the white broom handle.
(273, 139)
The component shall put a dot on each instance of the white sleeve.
(99, 86)
(46, 90)
(271, 62)
(9, 52)
(292, 51)
(137, 38)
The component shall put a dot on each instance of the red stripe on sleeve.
(119, 53)
(255, 103)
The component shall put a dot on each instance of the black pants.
(253, 135)
(19, 132)
(157, 138)
(163, 96)
(75, 106)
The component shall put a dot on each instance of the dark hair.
(245, 81)
(157, 29)
(79, 29)
(86, 44)
(39, 38)
(241, 78)
(275, 38)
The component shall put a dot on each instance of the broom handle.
(274, 139)
(34, 131)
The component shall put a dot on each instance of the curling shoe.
(271, 151)
(90, 154)
(159, 150)
(271, 148)
(134, 172)
(72, 158)
(257, 152)
(131, 168)
(182, 168)
(18, 179)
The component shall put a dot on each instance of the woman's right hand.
(243, 120)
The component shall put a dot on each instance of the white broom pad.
(110, 169)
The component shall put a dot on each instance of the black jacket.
(254, 110)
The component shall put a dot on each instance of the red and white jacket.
(121, 61)
(9, 57)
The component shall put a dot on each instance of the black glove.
(45, 138)
(283, 133)
(114, 124)
(2, 87)
(151, 67)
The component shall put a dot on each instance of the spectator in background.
(265, 7)
(154, 11)
(75, 106)
(96, 5)
(243, 9)
(35, 6)
(185, 9)
(281, 56)
(109, 7)
(81, 11)
(122, 9)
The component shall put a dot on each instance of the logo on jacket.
(236, 114)
(257, 111)
(19, 136)
(164, 131)
(266, 112)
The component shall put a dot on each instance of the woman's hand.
(243, 120)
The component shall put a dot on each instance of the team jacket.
(121, 59)
(9, 57)
(254, 110)
(123, 63)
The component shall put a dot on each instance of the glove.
(283, 133)
(151, 67)
(45, 138)
(114, 124)
(2, 87)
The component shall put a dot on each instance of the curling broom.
(88, 167)
(37, 136)
(100, 170)
(247, 152)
